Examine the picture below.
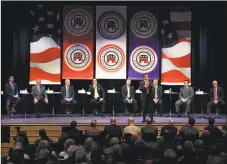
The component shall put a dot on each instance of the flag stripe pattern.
(176, 52)
(45, 44)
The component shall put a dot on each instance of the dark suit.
(101, 94)
(159, 97)
(113, 131)
(10, 91)
(76, 134)
(71, 95)
(124, 94)
(146, 98)
(215, 133)
(220, 95)
(189, 133)
(172, 132)
(40, 94)
(149, 129)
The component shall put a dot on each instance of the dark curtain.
(209, 46)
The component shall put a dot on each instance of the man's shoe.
(143, 121)
(9, 117)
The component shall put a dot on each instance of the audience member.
(113, 130)
(149, 132)
(132, 129)
(75, 134)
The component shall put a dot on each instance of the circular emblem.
(143, 24)
(78, 57)
(111, 58)
(111, 25)
(143, 59)
(78, 22)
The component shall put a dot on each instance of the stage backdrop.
(144, 54)
(175, 24)
(111, 29)
(78, 42)
(45, 44)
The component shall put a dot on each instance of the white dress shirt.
(96, 95)
(128, 89)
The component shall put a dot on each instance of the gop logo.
(111, 25)
(78, 22)
(111, 58)
(78, 57)
(143, 24)
(143, 59)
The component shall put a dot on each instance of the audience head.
(93, 123)
(191, 121)
(42, 133)
(88, 143)
(43, 156)
(145, 76)
(186, 83)
(67, 82)
(215, 83)
(18, 139)
(71, 150)
(81, 156)
(114, 141)
(17, 157)
(69, 142)
(11, 79)
(113, 121)
(149, 121)
(130, 121)
(22, 134)
(73, 124)
(188, 145)
(96, 154)
(211, 121)
(170, 156)
(128, 82)
(171, 122)
(198, 144)
(44, 144)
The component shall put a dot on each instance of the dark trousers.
(211, 105)
(94, 102)
(134, 104)
(157, 106)
(39, 105)
(11, 101)
(63, 102)
(146, 106)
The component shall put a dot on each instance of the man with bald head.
(39, 95)
(216, 97)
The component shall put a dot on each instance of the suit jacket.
(71, 92)
(113, 131)
(100, 89)
(194, 132)
(159, 92)
(187, 95)
(172, 130)
(150, 129)
(220, 93)
(39, 94)
(92, 131)
(124, 92)
(76, 134)
(9, 92)
(144, 90)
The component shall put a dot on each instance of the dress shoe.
(143, 121)
(9, 117)
(178, 115)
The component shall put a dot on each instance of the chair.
(69, 107)
(217, 109)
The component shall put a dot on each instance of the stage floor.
(59, 119)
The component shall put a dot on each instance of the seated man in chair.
(40, 96)
(97, 94)
(157, 93)
(128, 93)
(68, 94)
(186, 95)
(12, 98)
(216, 97)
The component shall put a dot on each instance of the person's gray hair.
(80, 156)
(71, 150)
(43, 144)
(198, 144)
(114, 141)
(43, 155)
(69, 142)
(170, 154)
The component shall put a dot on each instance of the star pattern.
(165, 22)
(46, 21)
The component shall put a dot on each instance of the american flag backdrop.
(45, 44)
(175, 28)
